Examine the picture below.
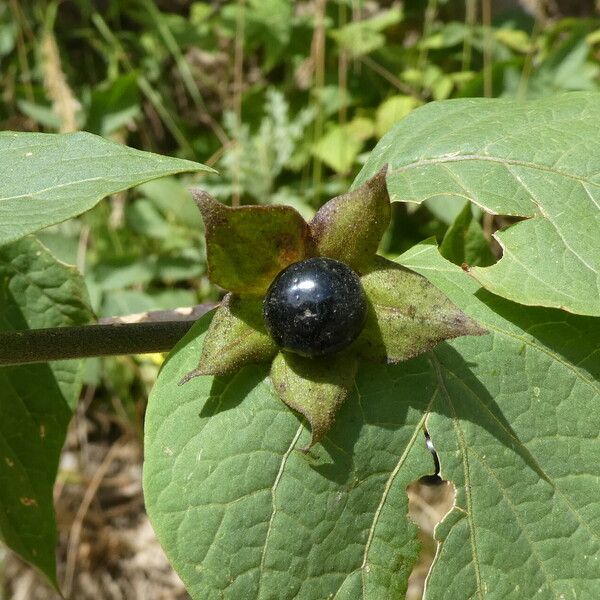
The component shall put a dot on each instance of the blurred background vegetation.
(285, 99)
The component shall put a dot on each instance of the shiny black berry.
(316, 306)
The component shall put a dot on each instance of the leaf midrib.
(443, 159)
(152, 174)
(524, 449)
(386, 491)
(389, 482)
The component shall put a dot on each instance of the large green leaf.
(47, 178)
(539, 160)
(516, 427)
(241, 513)
(36, 401)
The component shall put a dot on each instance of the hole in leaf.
(430, 499)
(428, 504)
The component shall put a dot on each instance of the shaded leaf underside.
(539, 160)
(241, 512)
(35, 400)
(465, 242)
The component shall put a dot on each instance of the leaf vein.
(467, 484)
(278, 477)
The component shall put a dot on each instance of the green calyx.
(316, 388)
(248, 246)
(349, 227)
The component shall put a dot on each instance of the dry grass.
(427, 506)
(64, 103)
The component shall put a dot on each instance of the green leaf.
(361, 128)
(593, 37)
(464, 241)
(48, 178)
(446, 208)
(171, 197)
(515, 39)
(144, 218)
(36, 401)
(40, 113)
(407, 315)
(363, 37)
(349, 227)
(392, 110)
(248, 245)
(314, 388)
(448, 35)
(338, 148)
(567, 67)
(127, 302)
(113, 105)
(538, 160)
(515, 430)
(241, 513)
(236, 337)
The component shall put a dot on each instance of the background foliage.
(285, 99)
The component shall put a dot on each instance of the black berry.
(316, 306)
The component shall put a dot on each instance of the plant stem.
(159, 332)
(342, 67)
(318, 57)
(470, 18)
(428, 22)
(488, 73)
(238, 87)
(43, 345)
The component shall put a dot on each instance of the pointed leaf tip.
(314, 388)
(349, 227)
(247, 246)
(189, 376)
